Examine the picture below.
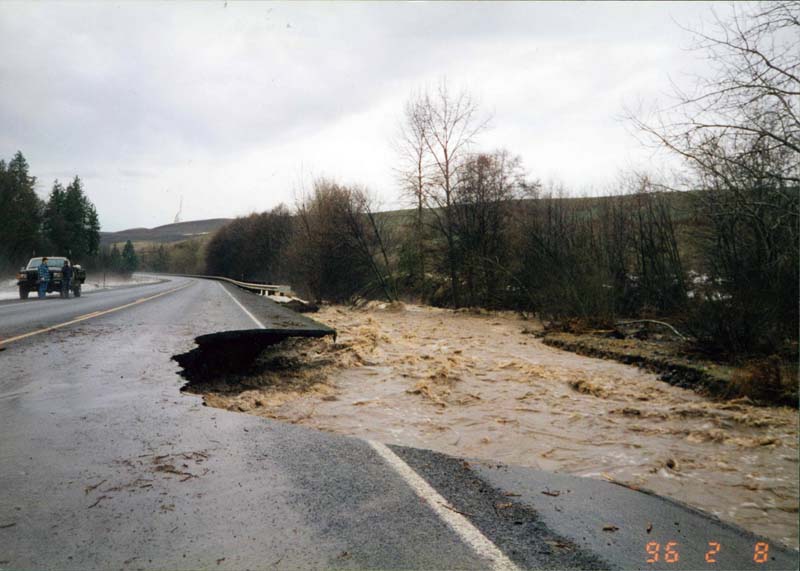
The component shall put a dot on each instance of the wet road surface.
(20, 317)
(104, 463)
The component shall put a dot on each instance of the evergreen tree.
(20, 212)
(71, 225)
(54, 224)
(130, 261)
(115, 259)
(91, 224)
(66, 225)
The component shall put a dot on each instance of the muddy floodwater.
(481, 386)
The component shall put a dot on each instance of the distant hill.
(171, 233)
(164, 234)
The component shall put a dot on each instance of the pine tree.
(115, 259)
(66, 225)
(74, 202)
(20, 212)
(71, 225)
(54, 224)
(91, 225)
(130, 261)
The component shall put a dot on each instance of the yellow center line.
(88, 315)
(91, 315)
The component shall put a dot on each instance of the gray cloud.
(229, 106)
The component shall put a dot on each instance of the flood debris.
(130, 473)
(610, 527)
(98, 500)
(93, 487)
(452, 509)
(587, 387)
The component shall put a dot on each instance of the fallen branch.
(100, 499)
(663, 324)
(94, 487)
(452, 509)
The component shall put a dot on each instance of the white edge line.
(236, 301)
(479, 543)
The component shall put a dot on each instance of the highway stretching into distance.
(105, 463)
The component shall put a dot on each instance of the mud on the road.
(480, 385)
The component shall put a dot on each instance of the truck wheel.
(23, 293)
(77, 291)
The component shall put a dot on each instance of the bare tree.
(340, 248)
(740, 133)
(562, 262)
(751, 101)
(661, 284)
(414, 177)
(449, 124)
(482, 208)
(252, 247)
(321, 266)
(369, 236)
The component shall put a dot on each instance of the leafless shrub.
(766, 380)
(340, 249)
(595, 259)
(487, 189)
(253, 247)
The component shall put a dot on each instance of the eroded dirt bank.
(479, 385)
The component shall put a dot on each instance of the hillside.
(190, 229)
(164, 234)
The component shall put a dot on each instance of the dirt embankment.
(766, 383)
(478, 384)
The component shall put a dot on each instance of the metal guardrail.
(261, 289)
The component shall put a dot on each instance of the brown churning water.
(477, 386)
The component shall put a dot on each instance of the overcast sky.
(235, 107)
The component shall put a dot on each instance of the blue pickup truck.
(28, 277)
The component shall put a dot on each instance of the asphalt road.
(104, 463)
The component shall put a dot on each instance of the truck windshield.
(55, 263)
